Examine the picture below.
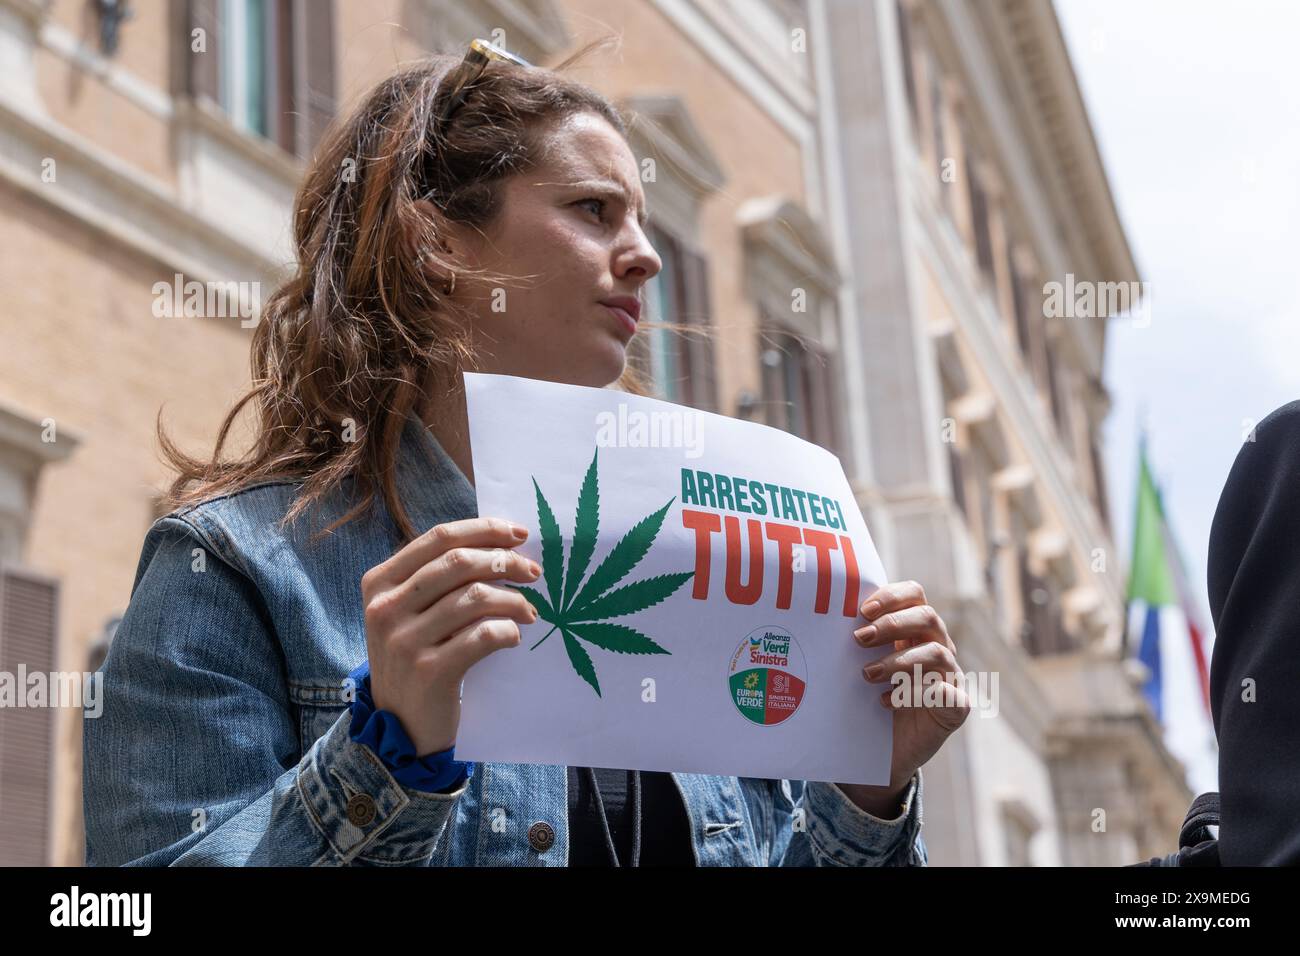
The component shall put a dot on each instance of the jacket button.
(361, 810)
(541, 836)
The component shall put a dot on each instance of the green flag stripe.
(1150, 577)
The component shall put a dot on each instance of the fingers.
(931, 656)
(916, 624)
(943, 695)
(898, 616)
(463, 606)
(950, 706)
(892, 597)
(437, 541)
(458, 567)
(449, 661)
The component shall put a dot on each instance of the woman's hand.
(430, 615)
(897, 615)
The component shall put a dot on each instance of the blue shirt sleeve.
(383, 733)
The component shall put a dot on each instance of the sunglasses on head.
(462, 77)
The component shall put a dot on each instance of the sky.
(1196, 110)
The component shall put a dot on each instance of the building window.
(908, 64)
(1034, 599)
(28, 635)
(957, 463)
(268, 65)
(980, 224)
(29, 605)
(956, 472)
(1042, 630)
(657, 351)
(798, 382)
(1020, 303)
(982, 460)
(1099, 482)
(937, 108)
(678, 358)
(1059, 394)
(244, 67)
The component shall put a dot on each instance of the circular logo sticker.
(768, 675)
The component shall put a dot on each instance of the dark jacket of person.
(1254, 590)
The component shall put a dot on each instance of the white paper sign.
(702, 579)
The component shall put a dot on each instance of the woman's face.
(572, 231)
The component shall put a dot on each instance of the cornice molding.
(665, 124)
(783, 230)
(113, 199)
(21, 435)
(534, 29)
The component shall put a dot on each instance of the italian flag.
(1164, 626)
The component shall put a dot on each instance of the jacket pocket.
(318, 706)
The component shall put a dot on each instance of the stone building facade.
(861, 204)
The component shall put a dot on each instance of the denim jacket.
(224, 741)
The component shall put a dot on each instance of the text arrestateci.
(775, 505)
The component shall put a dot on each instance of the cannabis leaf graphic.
(580, 611)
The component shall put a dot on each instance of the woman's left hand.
(897, 616)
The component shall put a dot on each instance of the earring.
(451, 286)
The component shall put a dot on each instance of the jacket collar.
(432, 487)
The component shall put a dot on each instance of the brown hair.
(355, 334)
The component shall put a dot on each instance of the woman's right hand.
(430, 615)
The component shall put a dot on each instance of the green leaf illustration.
(584, 532)
(579, 611)
(632, 597)
(552, 547)
(580, 660)
(544, 609)
(625, 556)
(616, 637)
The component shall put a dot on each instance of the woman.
(494, 221)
